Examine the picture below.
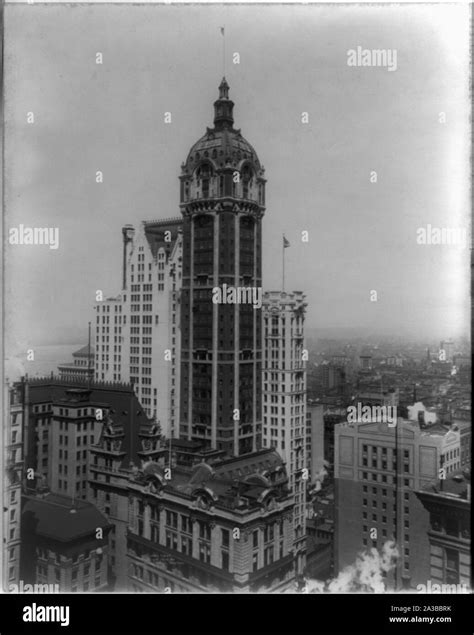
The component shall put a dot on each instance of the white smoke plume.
(430, 417)
(319, 477)
(364, 576)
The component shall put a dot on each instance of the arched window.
(246, 181)
(204, 173)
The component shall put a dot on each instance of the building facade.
(315, 439)
(284, 397)
(449, 506)
(223, 526)
(64, 544)
(137, 333)
(378, 469)
(13, 471)
(222, 202)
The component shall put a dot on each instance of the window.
(451, 566)
(268, 555)
(225, 560)
(172, 519)
(268, 533)
(186, 546)
(255, 539)
(186, 524)
(225, 537)
(452, 527)
(204, 552)
(204, 530)
(171, 540)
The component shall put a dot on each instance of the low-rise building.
(64, 543)
(449, 506)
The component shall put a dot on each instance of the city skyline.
(109, 125)
(252, 223)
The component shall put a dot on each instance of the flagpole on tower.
(283, 262)
(223, 50)
(286, 243)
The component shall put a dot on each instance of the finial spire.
(223, 107)
(224, 89)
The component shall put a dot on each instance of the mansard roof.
(125, 410)
(155, 233)
(53, 518)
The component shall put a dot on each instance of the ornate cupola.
(223, 107)
(210, 170)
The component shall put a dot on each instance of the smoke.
(319, 477)
(364, 576)
(430, 417)
(14, 369)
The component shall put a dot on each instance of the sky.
(293, 59)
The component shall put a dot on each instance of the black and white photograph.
(236, 304)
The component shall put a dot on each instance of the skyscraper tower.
(222, 202)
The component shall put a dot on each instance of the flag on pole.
(286, 243)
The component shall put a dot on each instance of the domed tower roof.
(223, 145)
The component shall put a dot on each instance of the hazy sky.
(109, 117)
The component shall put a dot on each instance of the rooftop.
(85, 351)
(245, 482)
(125, 410)
(61, 518)
(456, 486)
